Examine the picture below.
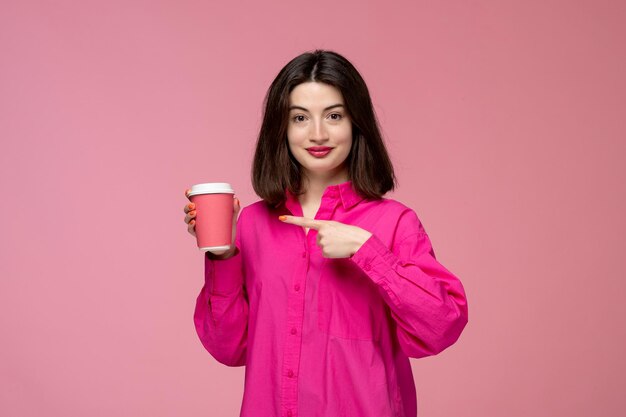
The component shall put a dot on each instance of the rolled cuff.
(224, 276)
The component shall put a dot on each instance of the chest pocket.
(349, 303)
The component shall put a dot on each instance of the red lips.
(319, 151)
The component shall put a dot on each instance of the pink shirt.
(329, 336)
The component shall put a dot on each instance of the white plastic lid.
(211, 188)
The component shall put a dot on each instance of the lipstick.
(319, 151)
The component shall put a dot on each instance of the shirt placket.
(295, 309)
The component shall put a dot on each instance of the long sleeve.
(426, 300)
(221, 313)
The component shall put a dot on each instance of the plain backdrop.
(506, 124)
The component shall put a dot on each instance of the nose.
(319, 133)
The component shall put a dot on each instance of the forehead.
(315, 94)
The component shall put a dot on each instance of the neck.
(315, 183)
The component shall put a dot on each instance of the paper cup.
(214, 216)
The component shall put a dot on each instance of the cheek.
(346, 137)
(346, 134)
(346, 150)
(295, 146)
(294, 136)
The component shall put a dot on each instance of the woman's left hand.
(336, 239)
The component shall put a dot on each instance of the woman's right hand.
(190, 215)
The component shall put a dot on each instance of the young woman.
(329, 288)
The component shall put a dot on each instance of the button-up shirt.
(323, 336)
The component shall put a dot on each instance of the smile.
(319, 152)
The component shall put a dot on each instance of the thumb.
(236, 208)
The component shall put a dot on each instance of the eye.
(336, 114)
(295, 118)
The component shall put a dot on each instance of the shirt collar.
(344, 192)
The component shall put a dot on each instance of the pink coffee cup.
(214, 216)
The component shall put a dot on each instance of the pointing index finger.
(301, 221)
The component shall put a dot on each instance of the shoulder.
(394, 208)
(391, 205)
(256, 209)
(404, 218)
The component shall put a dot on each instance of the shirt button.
(297, 287)
(368, 267)
(289, 413)
(293, 330)
(290, 374)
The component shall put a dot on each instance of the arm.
(426, 300)
(221, 313)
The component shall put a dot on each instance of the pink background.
(506, 124)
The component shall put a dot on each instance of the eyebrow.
(327, 108)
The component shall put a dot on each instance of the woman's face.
(318, 119)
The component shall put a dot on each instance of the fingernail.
(192, 213)
(190, 206)
(282, 218)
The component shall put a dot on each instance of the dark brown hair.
(274, 168)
